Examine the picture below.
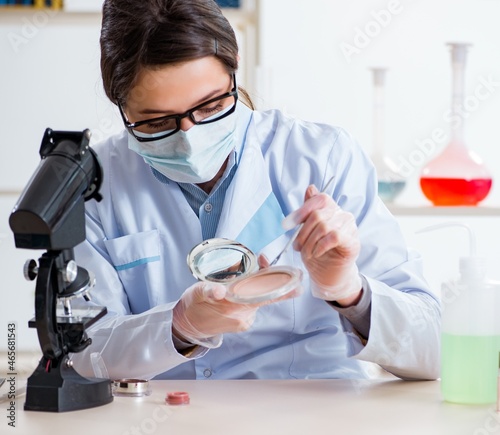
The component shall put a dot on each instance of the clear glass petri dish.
(221, 260)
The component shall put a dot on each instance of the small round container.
(131, 387)
(221, 260)
(177, 398)
(233, 264)
(264, 285)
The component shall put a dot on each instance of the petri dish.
(234, 265)
(221, 260)
(266, 284)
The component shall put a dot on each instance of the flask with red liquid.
(457, 176)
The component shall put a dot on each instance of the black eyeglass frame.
(130, 126)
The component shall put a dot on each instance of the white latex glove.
(329, 245)
(202, 314)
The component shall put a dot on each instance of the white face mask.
(192, 156)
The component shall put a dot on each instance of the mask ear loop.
(216, 46)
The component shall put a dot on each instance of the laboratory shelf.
(429, 210)
(394, 208)
(245, 13)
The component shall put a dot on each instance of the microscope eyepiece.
(50, 211)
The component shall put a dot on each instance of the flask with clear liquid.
(457, 176)
(390, 182)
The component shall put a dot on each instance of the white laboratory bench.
(249, 407)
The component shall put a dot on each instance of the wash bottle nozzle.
(471, 266)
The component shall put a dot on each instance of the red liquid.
(455, 191)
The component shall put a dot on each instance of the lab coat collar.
(251, 213)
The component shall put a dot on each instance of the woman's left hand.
(329, 245)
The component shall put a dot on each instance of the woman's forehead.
(189, 82)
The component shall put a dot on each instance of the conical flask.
(390, 182)
(457, 176)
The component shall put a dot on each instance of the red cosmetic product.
(177, 398)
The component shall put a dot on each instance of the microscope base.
(61, 389)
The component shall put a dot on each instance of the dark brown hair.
(154, 33)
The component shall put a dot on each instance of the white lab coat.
(139, 235)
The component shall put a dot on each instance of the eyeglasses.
(210, 111)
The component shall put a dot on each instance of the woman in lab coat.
(195, 162)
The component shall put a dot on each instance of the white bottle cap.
(473, 268)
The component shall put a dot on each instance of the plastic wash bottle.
(470, 331)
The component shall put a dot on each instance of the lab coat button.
(207, 373)
(208, 207)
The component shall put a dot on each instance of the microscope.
(50, 215)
